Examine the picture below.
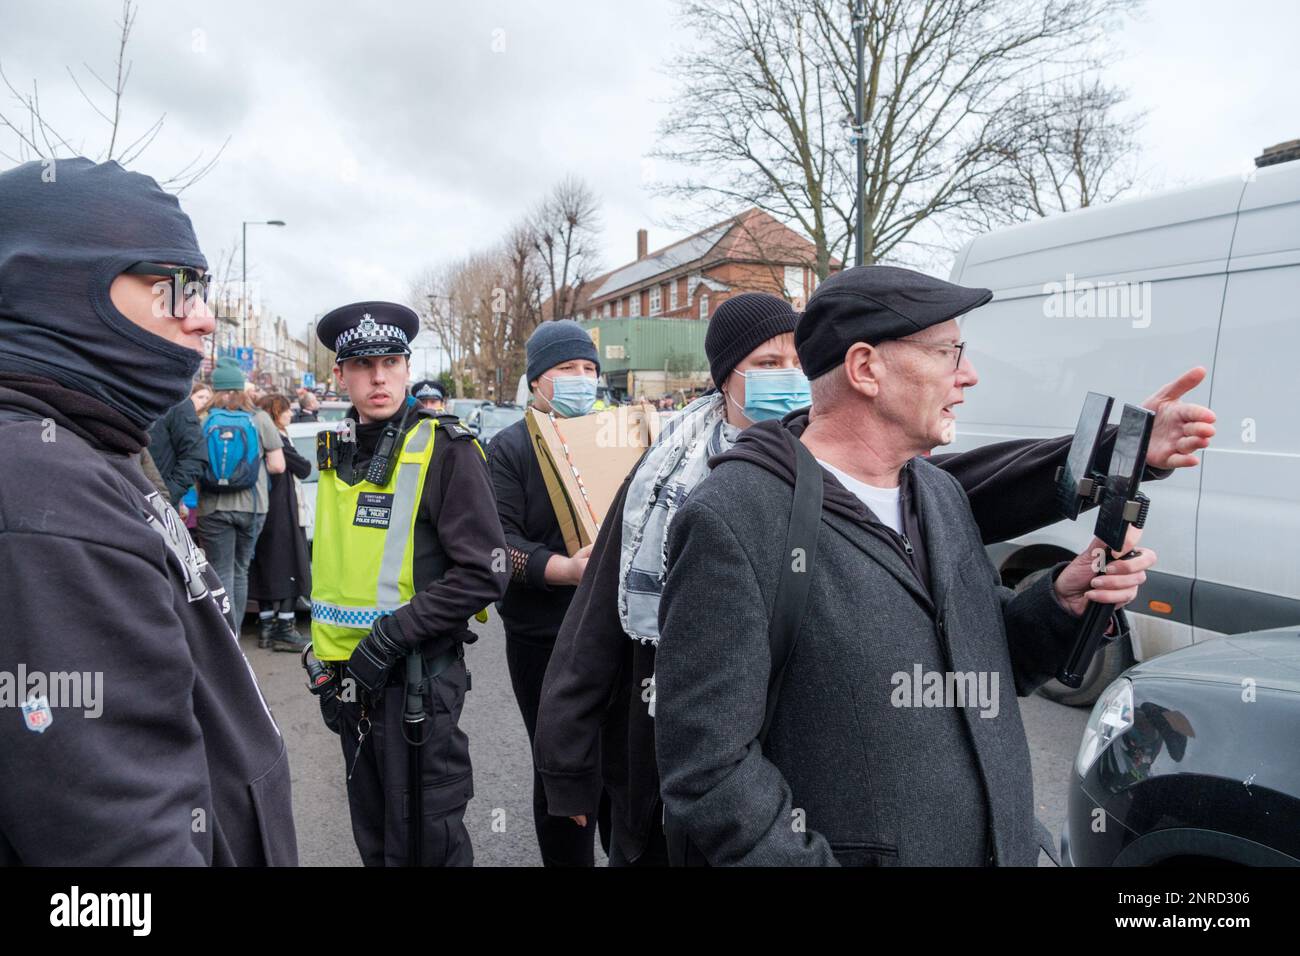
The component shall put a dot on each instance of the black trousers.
(655, 852)
(562, 842)
(380, 765)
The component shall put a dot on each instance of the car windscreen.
(498, 418)
(462, 407)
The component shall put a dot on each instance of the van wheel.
(1115, 658)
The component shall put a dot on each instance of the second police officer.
(406, 542)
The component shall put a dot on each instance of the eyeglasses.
(189, 285)
(960, 347)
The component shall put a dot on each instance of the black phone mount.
(1110, 479)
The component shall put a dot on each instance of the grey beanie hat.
(555, 342)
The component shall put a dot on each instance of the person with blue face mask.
(766, 384)
(773, 393)
(573, 389)
(561, 372)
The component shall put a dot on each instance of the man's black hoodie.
(179, 761)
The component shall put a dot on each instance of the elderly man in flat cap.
(837, 760)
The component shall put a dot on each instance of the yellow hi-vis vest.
(361, 563)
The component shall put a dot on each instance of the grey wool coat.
(857, 769)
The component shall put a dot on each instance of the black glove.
(377, 652)
(322, 682)
(329, 710)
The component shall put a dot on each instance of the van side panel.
(1119, 299)
(1185, 232)
(1248, 546)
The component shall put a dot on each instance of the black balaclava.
(67, 229)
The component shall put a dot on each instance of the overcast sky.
(396, 135)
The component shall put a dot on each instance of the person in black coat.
(562, 369)
(280, 572)
(176, 446)
(308, 405)
(177, 759)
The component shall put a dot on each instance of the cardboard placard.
(584, 461)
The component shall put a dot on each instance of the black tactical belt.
(433, 666)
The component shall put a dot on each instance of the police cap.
(427, 390)
(368, 328)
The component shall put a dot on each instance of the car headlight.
(1111, 716)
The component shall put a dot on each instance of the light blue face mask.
(573, 395)
(773, 393)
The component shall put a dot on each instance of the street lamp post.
(243, 282)
(859, 134)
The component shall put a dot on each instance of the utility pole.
(243, 282)
(859, 133)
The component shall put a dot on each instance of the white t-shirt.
(884, 503)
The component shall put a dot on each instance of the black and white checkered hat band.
(367, 333)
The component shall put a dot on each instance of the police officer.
(429, 394)
(406, 542)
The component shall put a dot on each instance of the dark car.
(464, 408)
(488, 419)
(1193, 757)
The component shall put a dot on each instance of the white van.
(1121, 299)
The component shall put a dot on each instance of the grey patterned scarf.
(674, 465)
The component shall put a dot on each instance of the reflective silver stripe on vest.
(406, 496)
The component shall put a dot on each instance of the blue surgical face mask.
(573, 395)
(773, 393)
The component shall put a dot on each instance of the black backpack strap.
(787, 616)
(791, 600)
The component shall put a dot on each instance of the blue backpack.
(234, 451)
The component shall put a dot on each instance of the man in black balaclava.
(102, 324)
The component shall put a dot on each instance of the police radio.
(380, 469)
(1091, 477)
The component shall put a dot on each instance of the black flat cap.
(368, 328)
(874, 304)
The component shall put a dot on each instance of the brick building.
(751, 252)
(683, 284)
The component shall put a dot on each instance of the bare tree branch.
(957, 93)
(564, 227)
(36, 137)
